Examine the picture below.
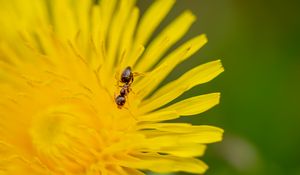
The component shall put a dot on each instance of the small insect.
(127, 79)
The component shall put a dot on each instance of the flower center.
(64, 140)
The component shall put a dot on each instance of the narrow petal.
(151, 19)
(191, 106)
(133, 171)
(97, 40)
(169, 36)
(176, 127)
(166, 163)
(199, 134)
(126, 42)
(11, 163)
(149, 22)
(83, 16)
(159, 116)
(116, 32)
(186, 150)
(63, 16)
(12, 23)
(107, 10)
(107, 17)
(152, 79)
(195, 105)
(17, 165)
(196, 76)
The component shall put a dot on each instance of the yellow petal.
(11, 163)
(106, 10)
(17, 165)
(176, 127)
(151, 19)
(166, 163)
(159, 116)
(63, 16)
(133, 172)
(195, 105)
(152, 79)
(118, 26)
(196, 76)
(198, 134)
(169, 36)
(149, 22)
(186, 150)
(126, 43)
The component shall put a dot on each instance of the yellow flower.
(60, 67)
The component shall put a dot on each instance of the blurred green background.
(258, 42)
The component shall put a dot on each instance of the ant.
(126, 79)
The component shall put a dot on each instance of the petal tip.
(190, 15)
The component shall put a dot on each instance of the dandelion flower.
(60, 68)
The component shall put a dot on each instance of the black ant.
(126, 79)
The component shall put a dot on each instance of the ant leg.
(136, 74)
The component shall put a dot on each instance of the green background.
(258, 43)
